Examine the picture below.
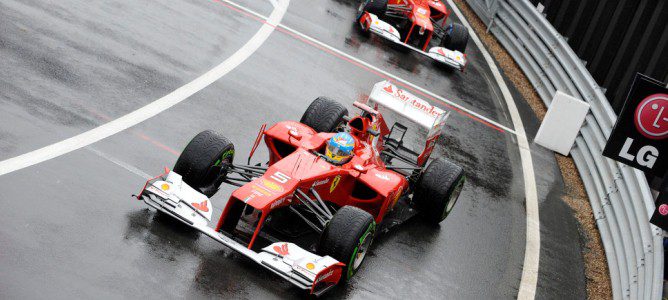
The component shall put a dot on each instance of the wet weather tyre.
(456, 37)
(376, 7)
(324, 115)
(205, 161)
(347, 238)
(437, 189)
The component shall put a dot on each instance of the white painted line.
(153, 108)
(527, 289)
(375, 69)
(132, 169)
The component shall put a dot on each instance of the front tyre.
(438, 189)
(376, 7)
(204, 162)
(456, 37)
(347, 238)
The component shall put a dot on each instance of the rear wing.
(406, 104)
(419, 111)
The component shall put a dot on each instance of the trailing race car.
(331, 184)
(413, 24)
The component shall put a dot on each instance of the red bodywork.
(421, 13)
(363, 182)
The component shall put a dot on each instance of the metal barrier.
(619, 195)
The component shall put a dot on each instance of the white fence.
(619, 195)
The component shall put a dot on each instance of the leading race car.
(413, 24)
(331, 184)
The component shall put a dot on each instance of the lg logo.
(651, 120)
(651, 117)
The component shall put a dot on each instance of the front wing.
(453, 59)
(170, 195)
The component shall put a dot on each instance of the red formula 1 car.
(307, 220)
(413, 24)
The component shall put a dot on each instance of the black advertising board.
(640, 136)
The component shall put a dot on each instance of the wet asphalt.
(68, 227)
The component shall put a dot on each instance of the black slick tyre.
(204, 162)
(376, 7)
(437, 189)
(347, 238)
(324, 115)
(456, 37)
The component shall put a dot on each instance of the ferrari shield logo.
(335, 182)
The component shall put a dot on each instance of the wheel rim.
(215, 176)
(341, 127)
(361, 250)
(453, 197)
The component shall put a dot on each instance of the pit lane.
(69, 222)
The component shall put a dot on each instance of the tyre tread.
(457, 39)
(324, 114)
(199, 155)
(434, 187)
(343, 233)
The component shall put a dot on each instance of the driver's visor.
(335, 151)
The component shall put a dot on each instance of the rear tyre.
(324, 115)
(347, 238)
(204, 162)
(456, 37)
(437, 189)
(376, 7)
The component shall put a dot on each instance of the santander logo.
(324, 276)
(282, 250)
(411, 100)
(201, 206)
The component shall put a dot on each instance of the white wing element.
(185, 200)
(384, 29)
(170, 195)
(388, 95)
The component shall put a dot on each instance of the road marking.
(132, 169)
(153, 108)
(135, 133)
(371, 68)
(527, 289)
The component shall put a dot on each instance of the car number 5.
(280, 177)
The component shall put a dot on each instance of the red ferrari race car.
(413, 24)
(308, 215)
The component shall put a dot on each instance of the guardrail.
(619, 195)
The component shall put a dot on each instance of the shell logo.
(272, 185)
(310, 266)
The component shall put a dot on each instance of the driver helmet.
(340, 148)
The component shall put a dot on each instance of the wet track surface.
(68, 227)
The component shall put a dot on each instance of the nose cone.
(421, 18)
